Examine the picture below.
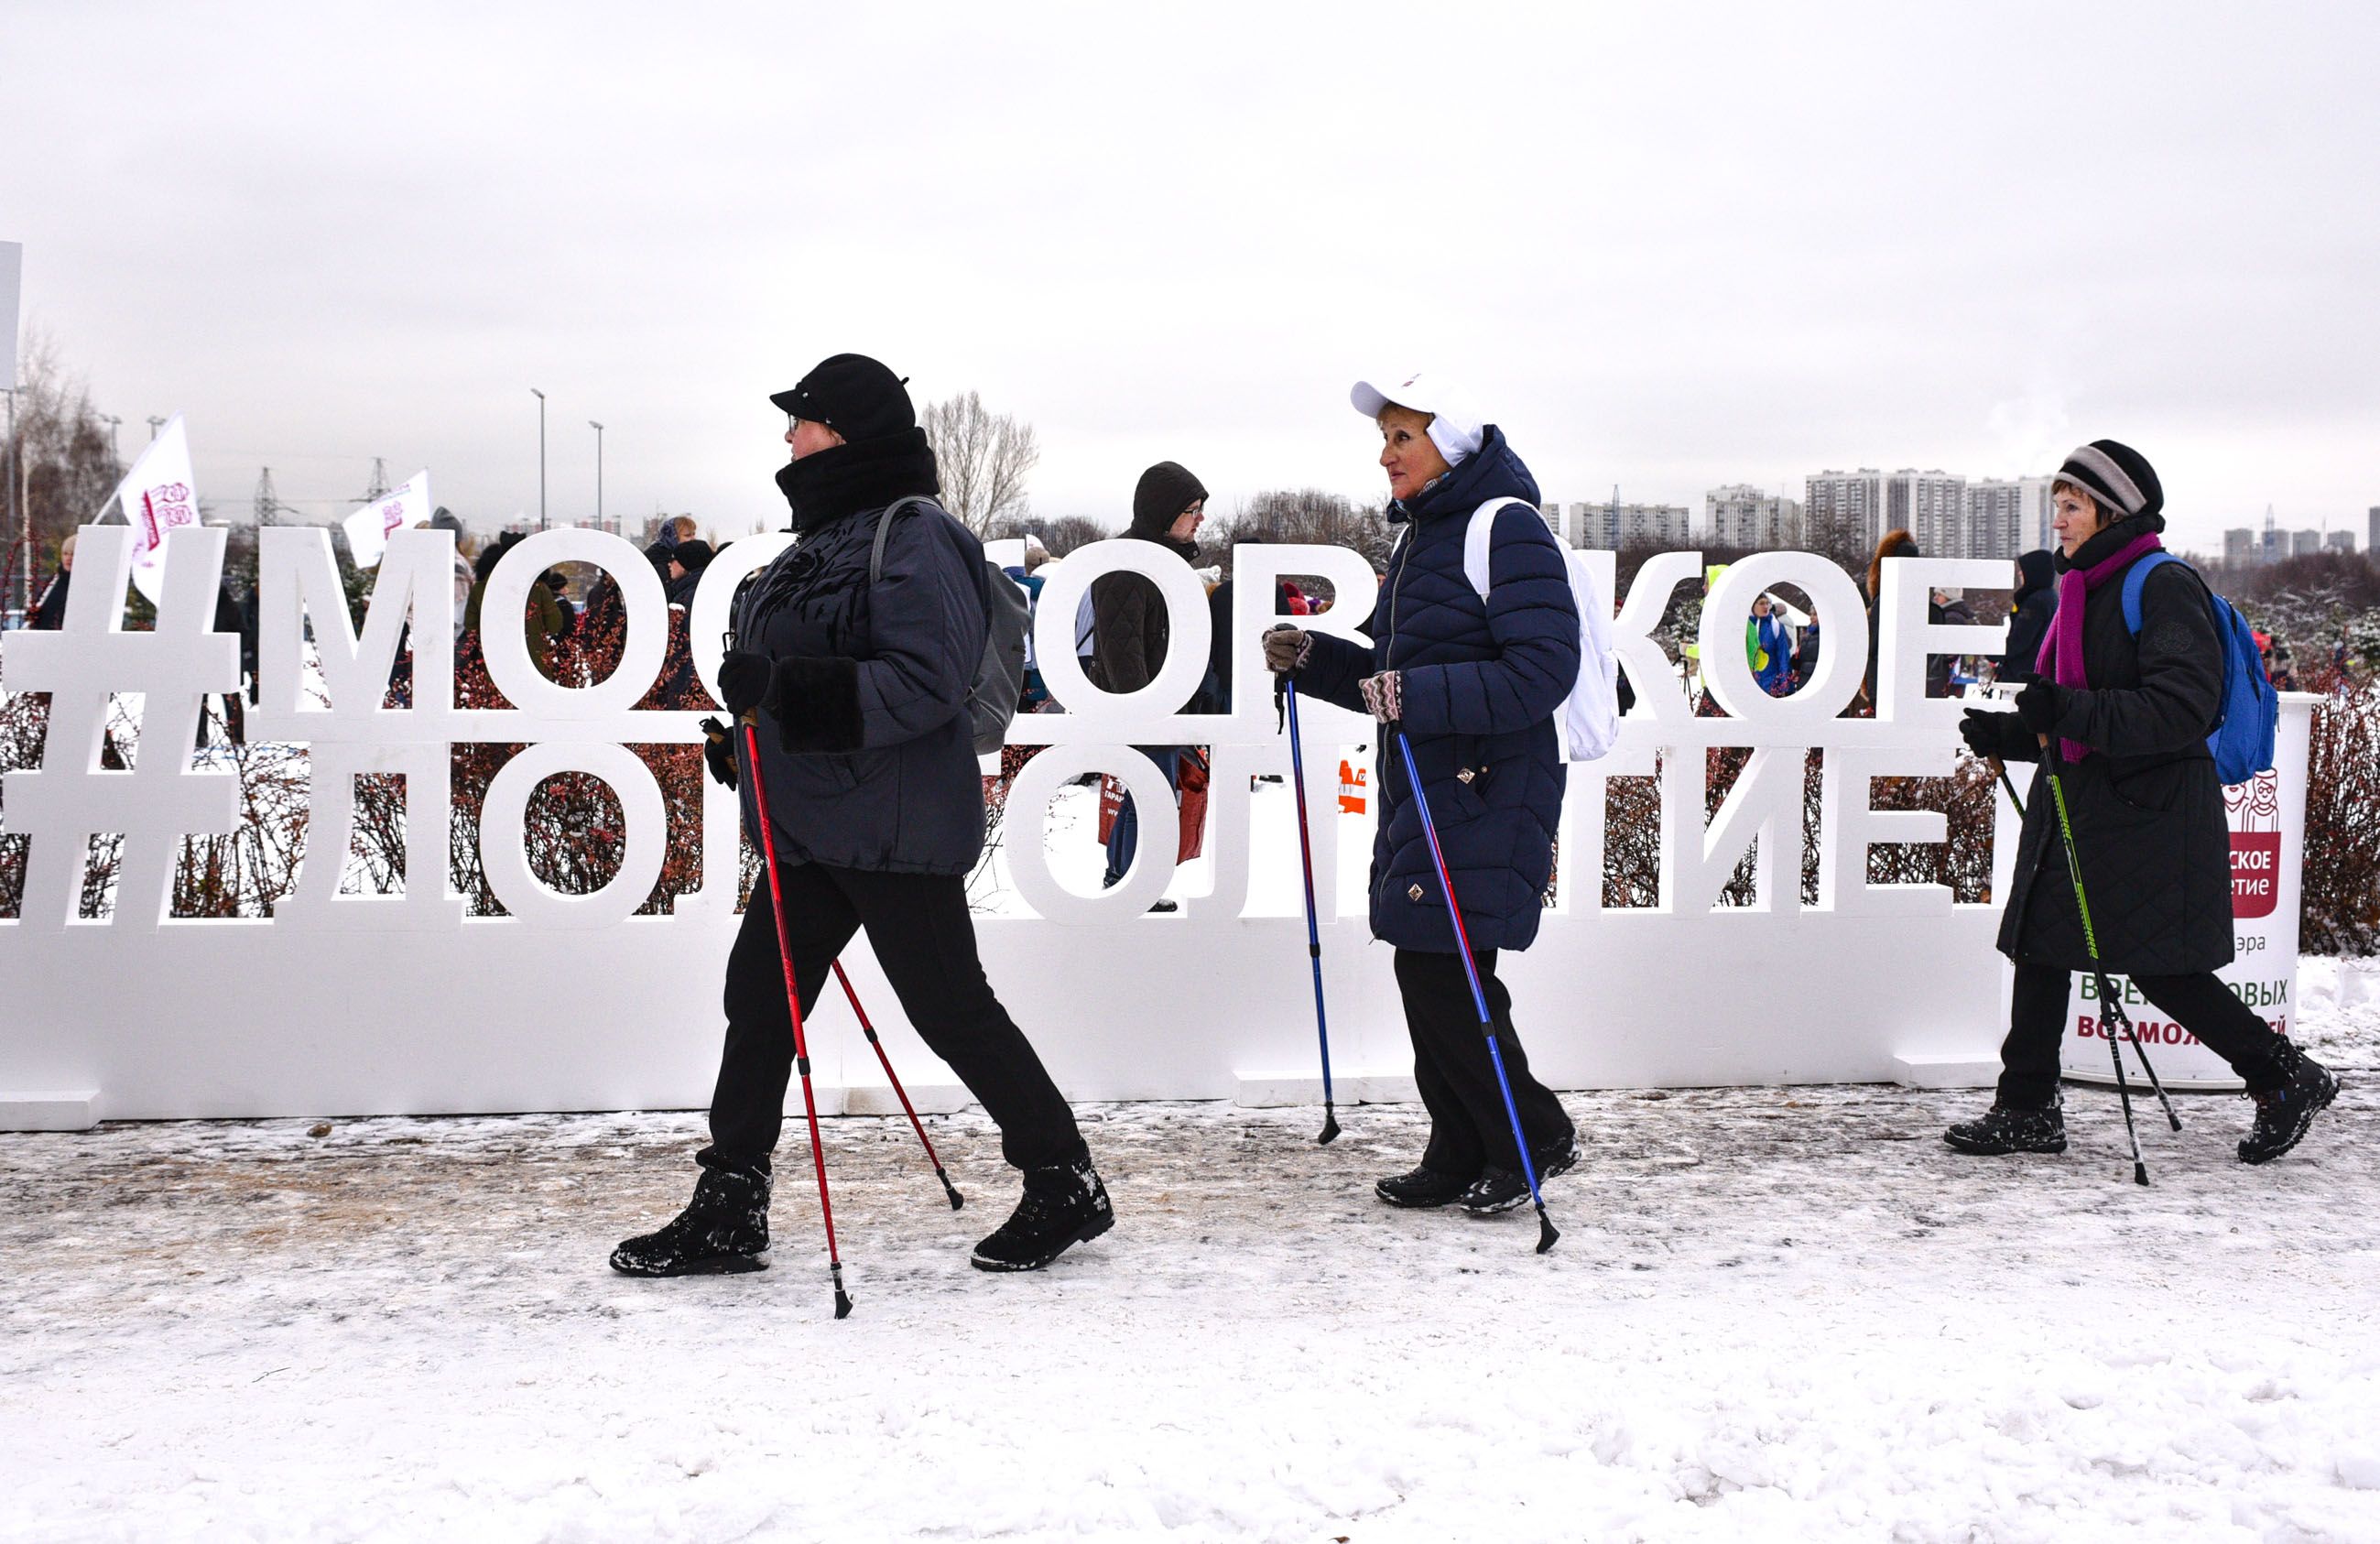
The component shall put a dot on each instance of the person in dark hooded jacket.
(1130, 630)
(2125, 721)
(857, 685)
(1476, 681)
(2030, 609)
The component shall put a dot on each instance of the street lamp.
(541, 456)
(113, 423)
(156, 423)
(599, 474)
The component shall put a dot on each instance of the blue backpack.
(2250, 711)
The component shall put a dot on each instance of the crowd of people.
(854, 676)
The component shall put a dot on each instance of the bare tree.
(984, 459)
(1305, 515)
(60, 459)
(1062, 535)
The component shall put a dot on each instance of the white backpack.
(1589, 720)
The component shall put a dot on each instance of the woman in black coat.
(2123, 721)
(857, 677)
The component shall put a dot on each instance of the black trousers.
(2200, 1004)
(924, 937)
(1468, 1125)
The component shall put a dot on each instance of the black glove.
(719, 752)
(1989, 734)
(744, 681)
(2040, 704)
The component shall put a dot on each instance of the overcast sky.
(1667, 246)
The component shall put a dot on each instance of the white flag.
(159, 498)
(369, 529)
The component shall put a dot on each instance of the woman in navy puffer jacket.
(1476, 681)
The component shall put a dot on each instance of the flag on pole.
(369, 527)
(159, 498)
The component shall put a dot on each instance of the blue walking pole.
(1313, 937)
(1547, 1233)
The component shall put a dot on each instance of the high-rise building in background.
(1593, 524)
(2274, 545)
(2239, 547)
(2306, 544)
(1670, 526)
(1843, 509)
(2371, 544)
(1552, 515)
(2341, 542)
(1743, 515)
(1931, 507)
(2002, 518)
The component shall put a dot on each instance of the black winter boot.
(2005, 1130)
(1423, 1187)
(1063, 1205)
(723, 1230)
(1500, 1190)
(2285, 1111)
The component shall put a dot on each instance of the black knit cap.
(1166, 489)
(692, 554)
(2118, 478)
(853, 395)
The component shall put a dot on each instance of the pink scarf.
(2061, 651)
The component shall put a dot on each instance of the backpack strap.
(2134, 580)
(884, 529)
(1478, 537)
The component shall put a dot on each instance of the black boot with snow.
(1500, 1190)
(1423, 1187)
(2004, 1130)
(723, 1230)
(1063, 1205)
(2284, 1111)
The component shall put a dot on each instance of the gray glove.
(1286, 648)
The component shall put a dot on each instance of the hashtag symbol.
(162, 799)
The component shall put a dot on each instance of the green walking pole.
(2109, 1005)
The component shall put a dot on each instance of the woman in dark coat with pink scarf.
(2130, 716)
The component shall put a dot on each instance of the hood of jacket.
(1494, 473)
(2036, 570)
(832, 484)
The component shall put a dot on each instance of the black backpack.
(999, 684)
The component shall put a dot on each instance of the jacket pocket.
(2154, 789)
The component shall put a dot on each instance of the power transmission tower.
(379, 489)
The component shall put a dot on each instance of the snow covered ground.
(1774, 1314)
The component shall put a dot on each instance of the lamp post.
(599, 474)
(113, 423)
(156, 423)
(541, 456)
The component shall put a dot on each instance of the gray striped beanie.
(2118, 477)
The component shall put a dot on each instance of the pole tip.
(950, 1190)
(1547, 1233)
(842, 1304)
(1329, 1128)
(2140, 1174)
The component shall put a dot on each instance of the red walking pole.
(869, 1029)
(794, 1005)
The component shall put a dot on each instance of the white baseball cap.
(1452, 427)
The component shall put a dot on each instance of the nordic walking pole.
(869, 1029)
(2009, 784)
(1313, 937)
(793, 1005)
(2109, 1001)
(2091, 946)
(1547, 1233)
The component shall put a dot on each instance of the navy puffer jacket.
(1482, 682)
